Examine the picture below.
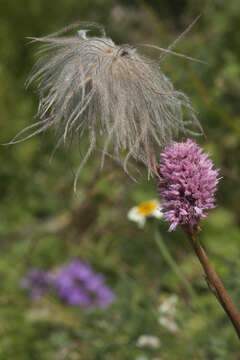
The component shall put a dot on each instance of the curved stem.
(213, 281)
(172, 264)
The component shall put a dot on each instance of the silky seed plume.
(118, 98)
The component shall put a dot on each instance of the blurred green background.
(44, 224)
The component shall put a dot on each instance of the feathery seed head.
(119, 98)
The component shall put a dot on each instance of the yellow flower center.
(146, 208)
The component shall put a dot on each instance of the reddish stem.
(213, 281)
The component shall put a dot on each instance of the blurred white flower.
(149, 341)
(168, 306)
(145, 209)
(169, 324)
(167, 311)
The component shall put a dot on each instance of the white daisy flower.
(150, 208)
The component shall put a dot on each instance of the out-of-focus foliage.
(43, 224)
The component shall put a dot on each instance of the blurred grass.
(43, 224)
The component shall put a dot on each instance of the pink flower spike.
(187, 183)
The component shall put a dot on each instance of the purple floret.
(187, 183)
(37, 282)
(77, 284)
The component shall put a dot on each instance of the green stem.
(172, 264)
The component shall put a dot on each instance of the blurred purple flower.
(77, 284)
(187, 183)
(37, 282)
